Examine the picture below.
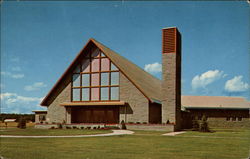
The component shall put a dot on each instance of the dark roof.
(145, 82)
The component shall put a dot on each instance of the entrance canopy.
(92, 103)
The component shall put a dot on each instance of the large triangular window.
(95, 78)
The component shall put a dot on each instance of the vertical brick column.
(171, 77)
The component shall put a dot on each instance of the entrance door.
(95, 114)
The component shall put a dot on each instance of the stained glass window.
(85, 94)
(76, 94)
(113, 67)
(76, 80)
(104, 79)
(114, 78)
(85, 65)
(96, 78)
(85, 80)
(114, 93)
(104, 93)
(104, 64)
(94, 93)
(95, 65)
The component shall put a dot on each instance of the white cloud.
(12, 75)
(35, 86)
(14, 103)
(201, 81)
(236, 85)
(153, 68)
(17, 68)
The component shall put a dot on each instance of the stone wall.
(170, 94)
(56, 112)
(137, 109)
(222, 122)
(150, 127)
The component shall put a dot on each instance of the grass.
(231, 144)
(49, 132)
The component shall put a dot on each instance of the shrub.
(52, 127)
(68, 127)
(131, 122)
(82, 127)
(123, 125)
(195, 124)
(22, 123)
(204, 124)
(144, 122)
(74, 127)
(168, 122)
(59, 125)
(138, 122)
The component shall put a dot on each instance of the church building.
(102, 87)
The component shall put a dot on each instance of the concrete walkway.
(114, 133)
(174, 133)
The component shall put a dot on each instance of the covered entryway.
(95, 114)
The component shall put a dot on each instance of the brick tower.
(171, 77)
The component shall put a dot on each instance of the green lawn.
(50, 132)
(222, 144)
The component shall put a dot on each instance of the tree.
(204, 124)
(195, 124)
(123, 125)
(21, 123)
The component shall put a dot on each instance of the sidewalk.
(114, 133)
(174, 133)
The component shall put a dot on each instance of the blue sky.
(40, 39)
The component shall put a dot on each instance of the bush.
(130, 122)
(22, 123)
(144, 122)
(138, 122)
(123, 125)
(195, 124)
(59, 125)
(204, 124)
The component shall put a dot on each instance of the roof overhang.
(92, 103)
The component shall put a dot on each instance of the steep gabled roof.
(214, 102)
(146, 83)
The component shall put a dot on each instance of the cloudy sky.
(40, 39)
